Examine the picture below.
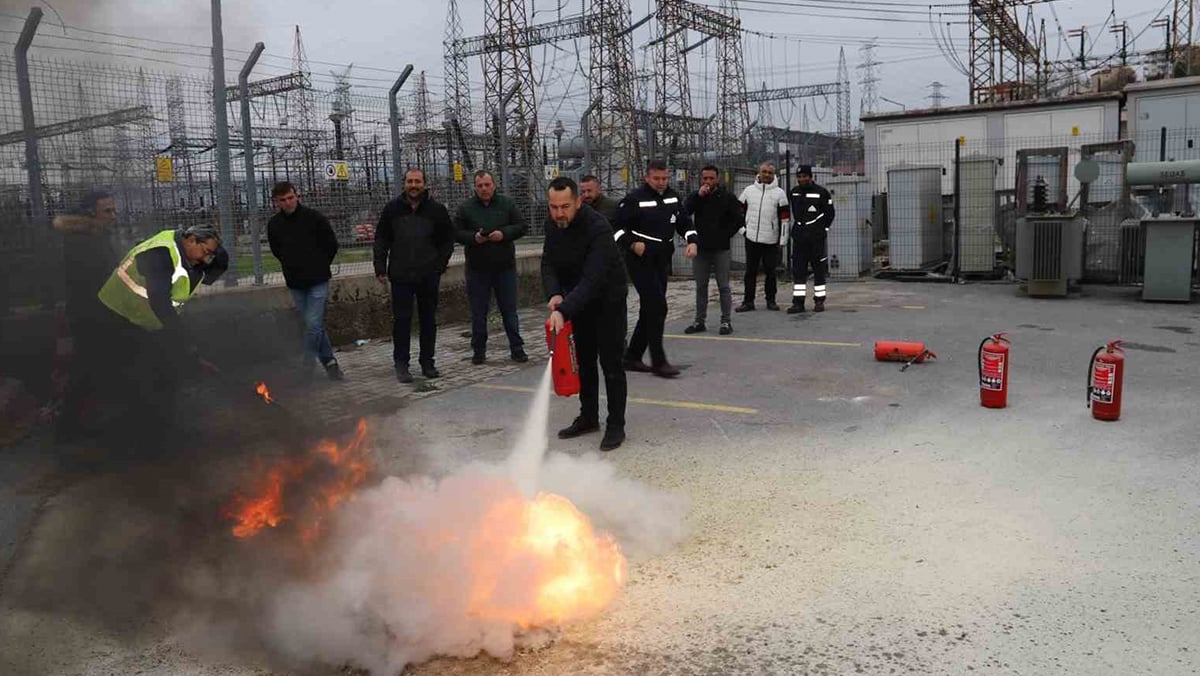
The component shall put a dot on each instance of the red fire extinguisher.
(993, 371)
(1106, 371)
(909, 353)
(564, 365)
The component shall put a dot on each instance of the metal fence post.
(33, 165)
(957, 255)
(394, 123)
(248, 152)
(224, 181)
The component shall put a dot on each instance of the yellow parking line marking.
(913, 307)
(772, 341)
(875, 306)
(694, 405)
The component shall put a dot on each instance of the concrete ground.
(846, 517)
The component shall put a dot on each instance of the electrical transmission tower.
(731, 86)
(870, 77)
(1182, 19)
(301, 113)
(936, 96)
(424, 121)
(1003, 54)
(508, 72)
(610, 126)
(458, 86)
(843, 97)
(341, 113)
(673, 97)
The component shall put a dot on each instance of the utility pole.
(1081, 33)
(1122, 29)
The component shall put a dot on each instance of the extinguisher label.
(1103, 375)
(992, 377)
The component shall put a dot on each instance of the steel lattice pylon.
(673, 98)
(510, 69)
(732, 110)
(458, 86)
(616, 150)
(1182, 20)
(1002, 54)
(843, 97)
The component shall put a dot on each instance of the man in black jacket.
(413, 242)
(303, 241)
(584, 279)
(487, 225)
(716, 216)
(647, 221)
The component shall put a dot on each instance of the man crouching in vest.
(160, 274)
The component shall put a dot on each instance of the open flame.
(322, 480)
(262, 391)
(541, 563)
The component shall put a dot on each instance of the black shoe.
(665, 370)
(613, 437)
(334, 371)
(819, 305)
(696, 327)
(796, 308)
(745, 307)
(478, 358)
(578, 427)
(430, 371)
(519, 356)
(772, 306)
(403, 374)
(726, 328)
(637, 366)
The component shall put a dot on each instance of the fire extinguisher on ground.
(993, 371)
(1106, 371)
(564, 365)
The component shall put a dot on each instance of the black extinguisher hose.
(979, 358)
(1091, 363)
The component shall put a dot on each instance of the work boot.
(403, 374)
(478, 358)
(613, 437)
(430, 371)
(819, 305)
(334, 371)
(636, 366)
(696, 327)
(578, 427)
(745, 307)
(519, 356)
(772, 306)
(797, 306)
(726, 328)
(665, 370)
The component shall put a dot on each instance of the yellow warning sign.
(164, 170)
(1075, 130)
(458, 172)
(337, 170)
(962, 140)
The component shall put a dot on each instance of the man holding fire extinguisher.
(584, 278)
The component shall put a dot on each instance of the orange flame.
(262, 391)
(576, 571)
(331, 473)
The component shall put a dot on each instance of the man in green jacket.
(486, 225)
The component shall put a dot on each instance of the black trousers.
(649, 274)
(425, 292)
(766, 256)
(600, 337)
(808, 253)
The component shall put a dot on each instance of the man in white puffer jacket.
(766, 207)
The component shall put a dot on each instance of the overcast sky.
(797, 42)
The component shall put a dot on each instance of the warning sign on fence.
(164, 170)
(337, 170)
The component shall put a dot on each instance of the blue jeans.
(310, 303)
(480, 287)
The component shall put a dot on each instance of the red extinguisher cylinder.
(896, 350)
(993, 371)
(564, 364)
(1106, 375)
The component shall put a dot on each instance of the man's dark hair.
(589, 178)
(564, 183)
(282, 188)
(656, 165)
(417, 169)
(711, 167)
(481, 173)
(87, 203)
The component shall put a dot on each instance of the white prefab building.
(1171, 105)
(927, 137)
